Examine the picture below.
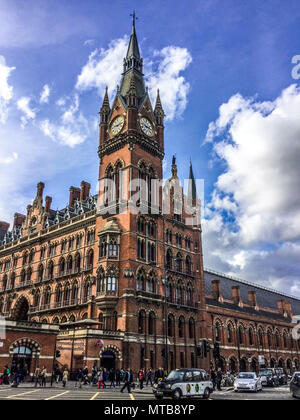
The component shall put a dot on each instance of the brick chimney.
(236, 294)
(288, 309)
(4, 226)
(85, 190)
(252, 298)
(19, 219)
(40, 189)
(74, 195)
(281, 306)
(216, 289)
(48, 202)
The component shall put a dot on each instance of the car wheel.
(206, 394)
(177, 394)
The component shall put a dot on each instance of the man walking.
(127, 379)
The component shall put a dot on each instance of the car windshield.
(246, 376)
(175, 375)
(265, 372)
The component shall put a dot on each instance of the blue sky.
(203, 55)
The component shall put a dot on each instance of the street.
(93, 394)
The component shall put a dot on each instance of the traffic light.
(216, 351)
(57, 354)
(199, 351)
(204, 348)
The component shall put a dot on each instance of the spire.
(158, 110)
(192, 191)
(133, 47)
(105, 109)
(133, 65)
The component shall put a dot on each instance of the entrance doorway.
(108, 360)
(22, 357)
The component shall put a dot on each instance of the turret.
(104, 116)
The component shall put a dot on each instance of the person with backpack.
(79, 378)
(100, 379)
(44, 376)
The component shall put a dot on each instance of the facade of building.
(120, 272)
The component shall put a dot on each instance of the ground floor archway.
(108, 360)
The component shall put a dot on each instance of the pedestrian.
(57, 374)
(213, 377)
(219, 379)
(44, 376)
(118, 377)
(37, 377)
(79, 378)
(112, 378)
(149, 377)
(65, 377)
(100, 379)
(141, 377)
(86, 376)
(127, 381)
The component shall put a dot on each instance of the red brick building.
(118, 267)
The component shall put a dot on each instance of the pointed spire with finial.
(192, 190)
(133, 65)
(105, 109)
(158, 110)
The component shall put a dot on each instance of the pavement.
(57, 392)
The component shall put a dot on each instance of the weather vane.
(134, 17)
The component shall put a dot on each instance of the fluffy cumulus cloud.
(6, 91)
(252, 222)
(72, 128)
(165, 69)
(28, 113)
(44, 97)
(103, 67)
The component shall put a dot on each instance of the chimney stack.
(236, 294)
(216, 289)
(48, 202)
(74, 195)
(19, 219)
(288, 309)
(281, 306)
(252, 298)
(4, 226)
(40, 189)
(85, 190)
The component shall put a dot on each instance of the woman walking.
(65, 377)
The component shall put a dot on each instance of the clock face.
(146, 127)
(117, 125)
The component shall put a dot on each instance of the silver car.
(247, 381)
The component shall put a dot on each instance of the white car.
(247, 381)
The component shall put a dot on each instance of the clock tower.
(131, 130)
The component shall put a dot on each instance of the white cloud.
(73, 127)
(9, 159)
(23, 105)
(6, 91)
(44, 97)
(164, 72)
(252, 222)
(166, 76)
(103, 67)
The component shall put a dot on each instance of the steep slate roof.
(266, 298)
(55, 217)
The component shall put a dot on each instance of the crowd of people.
(101, 377)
